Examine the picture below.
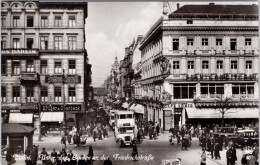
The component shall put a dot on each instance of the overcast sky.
(112, 26)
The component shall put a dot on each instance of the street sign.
(59, 108)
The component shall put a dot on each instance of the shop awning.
(139, 108)
(20, 118)
(52, 116)
(194, 113)
(13, 128)
(125, 105)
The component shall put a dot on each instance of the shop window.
(30, 21)
(72, 94)
(16, 67)
(17, 142)
(44, 42)
(44, 67)
(29, 66)
(16, 94)
(29, 94)
(72, 43)
(219, 42)
(3, 94)
(211, 89)
(57, 67)
(243, 89)
(233, 44)
(175, 44)
(57, 94)
(72, 67)
(44, 94)
(44, 21)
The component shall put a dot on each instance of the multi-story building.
(44, 62)
(197, 58)
(113, 84)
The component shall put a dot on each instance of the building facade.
(195, 58)
(44, 62)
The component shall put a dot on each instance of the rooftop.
(13, 128)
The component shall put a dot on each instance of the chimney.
(178, 6)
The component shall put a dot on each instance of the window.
(44, 94)
(72, 43)
(205, 42)
(44, 42)
(212, 89)
(57, 21)
(58, 43)
(29, 43)
(44, 21)
(248, 64)
(16, 43)
(218, 41)
(190, 42)
(16, 21)
(233, 44)
(29, 21)
(175, 44)
(16, 94)
(72, 66)
(57, 94)
(3, 42)
(72, 21)
(16, 67)
(29, 94)
(72, 94)
(205, 65)
(44, 67)
(3, 20)
(233, 64)
(184, 91)
(239, 89)
(219, 64)
(248, 41)
(29, 66)
(189, 21)
(3, 65)
(3, 94)
(57, 67)
(190, 64)
(176, 65)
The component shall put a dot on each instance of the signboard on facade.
(68, 79)
(18, 51)
(60, 108)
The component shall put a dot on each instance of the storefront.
(52, 121)
(17, 136)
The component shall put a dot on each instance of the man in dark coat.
(228, 155)
(43, 156)
(34, 155)
(82, 161)
(94, 135)
(90, 154)
(233, 158)
(108, 162)
(134, 152)
(9, 154)
(27, 153)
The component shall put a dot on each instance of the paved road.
(155, 150)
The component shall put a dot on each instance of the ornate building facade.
(197, 58)
(45, 70)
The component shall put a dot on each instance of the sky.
(112, 26)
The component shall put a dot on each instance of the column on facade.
(255, 65)
(165, 44)
(9, 67)
(183, 43)
(65, 19)
(22, 19)
(212, 65)
(51, 66)
(183, 66)
(51, 40)
(226, 43)
(241, 44)
(65, 88)
(23, 65)
(51, 92)
(25, 142)
(255, 44)
(23, 94)
(37, 18)
(241, 65)
(227, 65)
(9, 91)
(256, 90)
(198, 65)
(198, 41)
(51, 19)
(197, 90)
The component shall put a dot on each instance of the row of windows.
(44, 94)
(30, 67)
(44, 21)
(44, 43)
(205, 42)
(188, 91)
(205, 65)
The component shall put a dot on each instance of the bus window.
(129, 116)
(122, 116)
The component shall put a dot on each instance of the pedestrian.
(43, 156)
(90, 155)
(233, 158)
(82, 161)
(256, 151)
(139, 136)
(78, 140)
(157, 128)
(54, 156)
(170, 138)
(134, 152)
(203, 157)
(108, 162)
(27, 153)
(88, 131)
(73, 160)
(154, 132)
(69, 138)
(94, 135)
(150, 132)
(63, 143)
(244, 160)
(217, 155)
(228, 155)
(34, 155)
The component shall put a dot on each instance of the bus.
(125, 128)
(112, 118)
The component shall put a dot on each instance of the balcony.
(29, 76)
(20, 52)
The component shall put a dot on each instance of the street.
(152, 151)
